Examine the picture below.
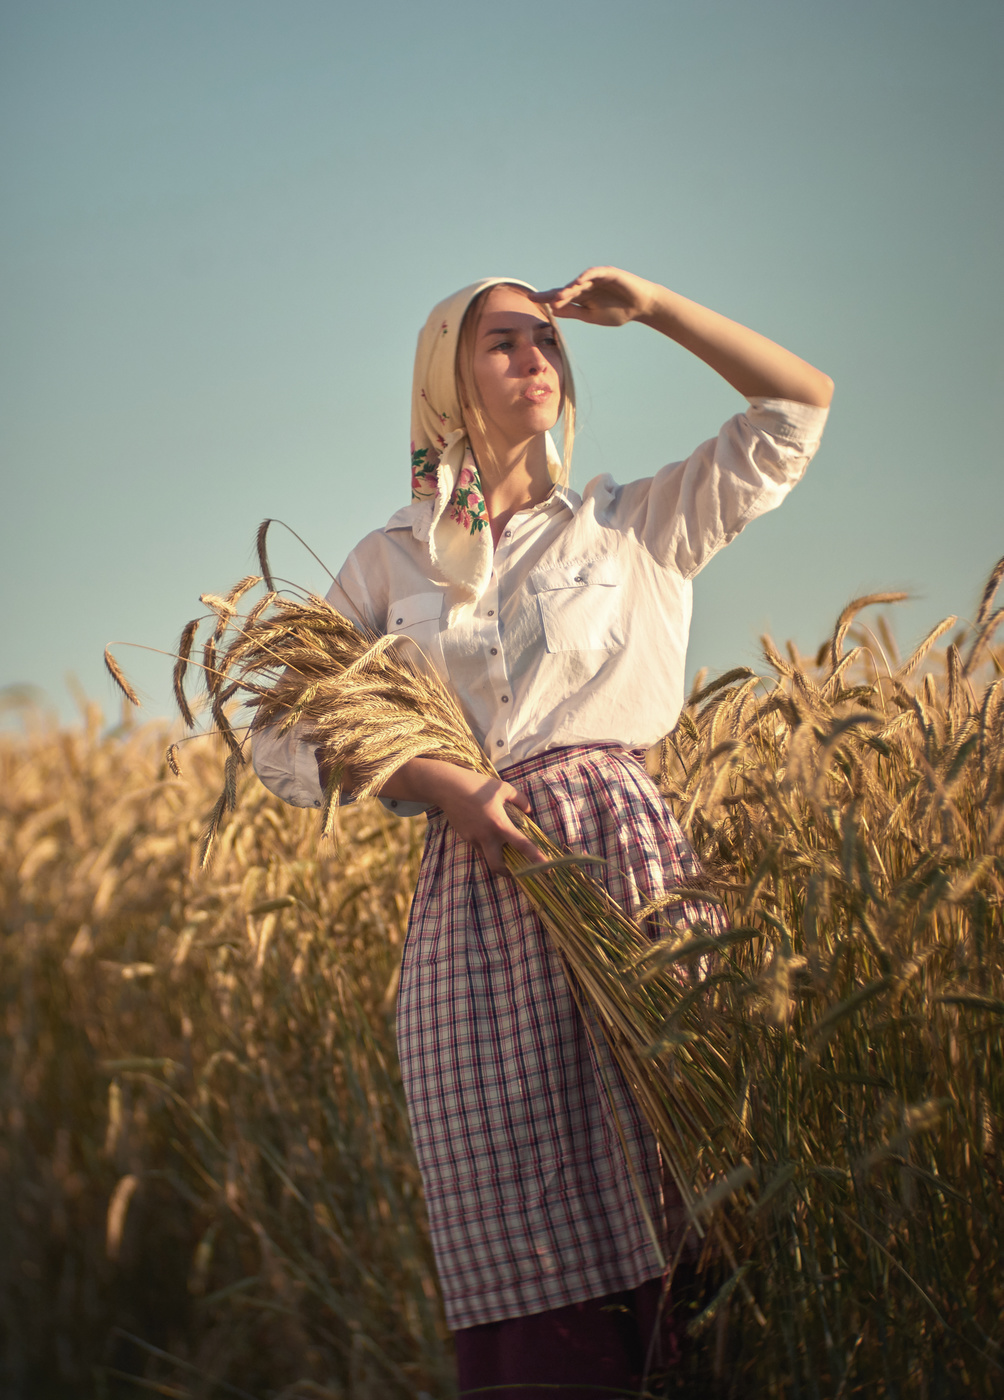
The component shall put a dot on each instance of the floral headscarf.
(442, 464)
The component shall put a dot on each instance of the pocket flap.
(418, 607)
(575, 575)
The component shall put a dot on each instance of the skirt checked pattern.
(530, 1201)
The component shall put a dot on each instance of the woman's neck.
(513, 478)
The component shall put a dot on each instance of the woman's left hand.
(603, 296)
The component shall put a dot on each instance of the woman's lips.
(537, 393)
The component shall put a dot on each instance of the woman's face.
(517, 367)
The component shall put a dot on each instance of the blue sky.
(223, 223)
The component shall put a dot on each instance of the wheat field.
(207, 1183)
(850, 812)
(206, 1148)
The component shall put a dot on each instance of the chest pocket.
(581, 606)
(418, 617)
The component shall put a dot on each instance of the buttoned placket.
(498, 738)
(489, 609)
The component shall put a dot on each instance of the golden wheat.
(855, 827)
(205, 1140)
(224, 1041)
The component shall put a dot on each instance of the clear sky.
(223, 222)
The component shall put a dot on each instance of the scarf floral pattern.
(467, 504)
(424, 472)
(444, 474)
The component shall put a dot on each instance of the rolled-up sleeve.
(285, 763)
(689, 510)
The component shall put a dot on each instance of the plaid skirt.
(531, 1204)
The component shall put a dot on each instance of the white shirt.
(581, 635)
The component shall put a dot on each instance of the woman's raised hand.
(603, 296)
(608, 296)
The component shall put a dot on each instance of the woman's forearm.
(609, 296)
(473, 804)
(751, 363)
(424, 780)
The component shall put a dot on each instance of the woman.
(561, 623)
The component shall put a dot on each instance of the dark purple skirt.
(620, 1345)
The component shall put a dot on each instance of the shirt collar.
(567, 497)
(417, 517)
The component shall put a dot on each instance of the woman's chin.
(541, 417)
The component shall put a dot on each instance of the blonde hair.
(471, 404)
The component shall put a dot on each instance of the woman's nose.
(536, 360)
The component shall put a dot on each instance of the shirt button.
(508, 534)
(491, 612)
(500, 743)
(495, 651)
(393, 802)
(401, 619)
(577, 579)
(505, 699)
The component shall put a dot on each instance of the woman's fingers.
(562, 300)
(517, 798)
(476, 809)
(562, 294)
(606, 296)
(510, 834)
(522, 845)
(506, 833)
(526, 849)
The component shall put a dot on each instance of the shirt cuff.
(400, 808)
(287, 766)
(797, 424)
